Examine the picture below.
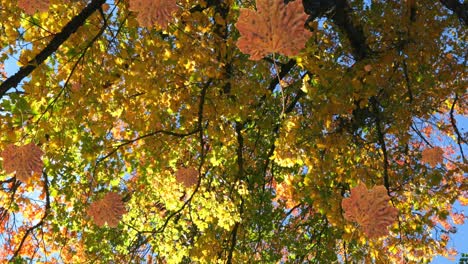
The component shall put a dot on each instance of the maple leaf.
(107, 210)
(275, 27)
(31, 6)
(151, 12)
(433, 156)
(370, 209)
(23, 160)
(187, 176)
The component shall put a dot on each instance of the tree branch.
(75, 65)
(40, 223)
(157, 132)
(381, 139)
(283, 71)
(340, 13)
(460, 138)
(240, 165)
(342, 17)
(52, 47)
(234, 234)
(202, 160)
(461, 10)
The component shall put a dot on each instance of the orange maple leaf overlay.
(151, 12)
(433, 156)
(23, 160)
(275, 27)
(31, 6)
(109, 209)
(187, 176)
(370, 209)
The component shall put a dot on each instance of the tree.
(231, 131)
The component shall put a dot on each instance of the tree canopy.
(178, 131)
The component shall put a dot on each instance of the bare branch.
(40, 223)
(381, 140)
(343, 18)
(460, 138)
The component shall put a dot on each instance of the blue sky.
(459, 241)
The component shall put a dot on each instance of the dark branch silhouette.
(461, 10)
(52, 47)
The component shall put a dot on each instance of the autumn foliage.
(267, 131)
(370, 209)
(274, 27)
(23, 160)
(432, 156)
(31, 6)
(153, 12)
(187, 176)
(108, 210)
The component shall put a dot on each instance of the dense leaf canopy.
(164, 131)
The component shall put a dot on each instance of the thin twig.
(460, 139)
(70, 28)
(40, 223)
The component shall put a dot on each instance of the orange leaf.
(107, 210)
(151, 12)
(31, 6)
(370, 209)
(22, 160)
(432, 156)
(187, 176)
(274, 27)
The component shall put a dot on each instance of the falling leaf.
(31, 6)
(107, 210)
(23, 160)
(274, 27)
(432, 156)
(151, 12)
(370, 209)
(187, 176)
